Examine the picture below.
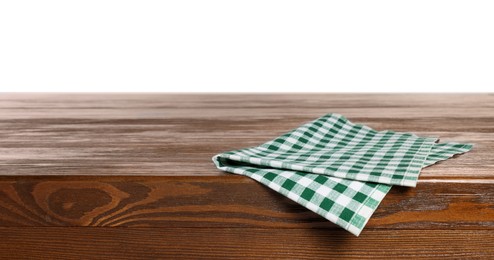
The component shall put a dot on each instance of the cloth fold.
(338, 169)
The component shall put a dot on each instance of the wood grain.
(240, 243)
(217, 202)
(163, 134)
(130, 176)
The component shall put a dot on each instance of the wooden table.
(130, 175)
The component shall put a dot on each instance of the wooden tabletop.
(134, 171)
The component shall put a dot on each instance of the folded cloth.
(338, 169)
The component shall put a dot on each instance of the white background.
(242, 46)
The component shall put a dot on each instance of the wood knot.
(75, 203)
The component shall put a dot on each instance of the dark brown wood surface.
(131, 175)
(241, 243)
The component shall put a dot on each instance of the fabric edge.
(417, 163)
(386, 190)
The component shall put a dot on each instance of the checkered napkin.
(338, 169)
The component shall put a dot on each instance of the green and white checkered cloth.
(338, 169)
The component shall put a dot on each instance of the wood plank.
(240, 243)
(170, 135)
(130, 176)
(230, 201)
